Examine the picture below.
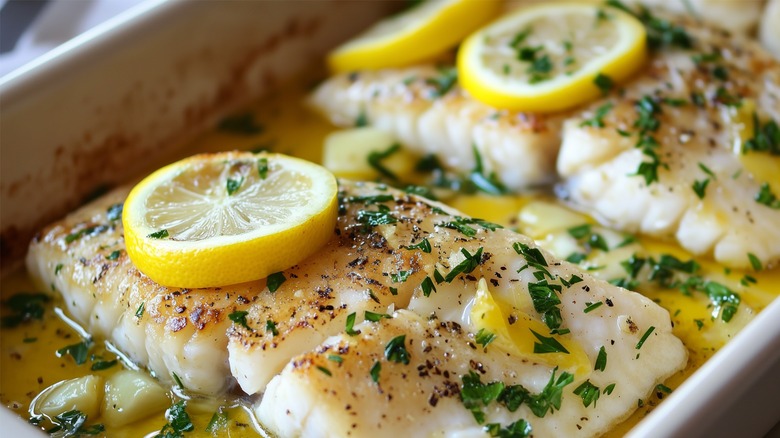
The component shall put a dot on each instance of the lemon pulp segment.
(414, 35)
(218, 219)
(546, 58)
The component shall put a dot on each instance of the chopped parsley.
(88, 231)
(467, 265)
(375, 317)
(374, 372)
(597, 121)
(462, 224)
(700, 187)
(350, 325)
(162, 234)
(395, 350)
(23, 307)
(114, 255)
(77, 351)
(474, 394)
(755, 262)
(601, 360)
(644, 337)
(375, 159)
(423, 245)
(140, 311)
(382, 216)
(114, 212)
(604, 82)
(544, 297)
(548, 345)
(274, 281)
(518, 429)
(401, 276)
(766, 137)
(589, 307)
(725, 300)
(335, 358)
(178, 421)
(444, 82)
(766, 197)
(484, 337)
(73, 423)
(232, 185)
(550, 397)
(427, 286)
(218, 422)
(270, 327)
(324, 370)
(262, 167)
(239, 317)
(589, 392)
(487, 183)
(103, 364)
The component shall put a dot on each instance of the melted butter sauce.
(29, 364)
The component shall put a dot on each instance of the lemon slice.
(548, 57)
(414, 35)
(219, 219)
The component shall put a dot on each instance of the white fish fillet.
(519, 147)
(598, 163)
(316, 395)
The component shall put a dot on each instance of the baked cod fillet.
(486, 304)
(428, 113)
(690, 150)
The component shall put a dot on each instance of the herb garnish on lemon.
(551, 57)
(217, 219)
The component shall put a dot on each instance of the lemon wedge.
(416, 34)
(218, 219)
(551, 57)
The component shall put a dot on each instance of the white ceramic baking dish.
(105, 106)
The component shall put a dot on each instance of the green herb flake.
(395, 350)
(401, 276)
(466, 266)
(335, 358)
(755, 262)
(239, 317)
(474, 394)
(376, 158)
(663, 388)
(588, 392)
(23, 307)
(699, 323)
(444, 82)
(766, 137)
(589, 307)
(375, 370)
(644, 337)
(262, 167)
(601, 360)
(114, 212)
(427, 287)
(114, 255)
(580, 231)
(233, 185)
(393, 291)
(725, 300)
(597, 121)
(381, 216)
(103, 364)
(519, 429)
(324, 370)
(490, 183)
(550, 397)
(73, 423)
(218, 423)
(576, 257)
(350, 325)
(700, 187)
(609, 388)
(140, 311)
(766, 197)
(177, 379)
(604, 82)
(162, 234)
(77, 351)
(548, 345)
(274, 281)
(178, 418)
(375, 317)
(707, 170)
(484, 337)
(270, 327)
(423, 245)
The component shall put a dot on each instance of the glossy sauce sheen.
(29, 364)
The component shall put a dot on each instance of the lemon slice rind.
(414, 35)
(245, 255)
(562, 91)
